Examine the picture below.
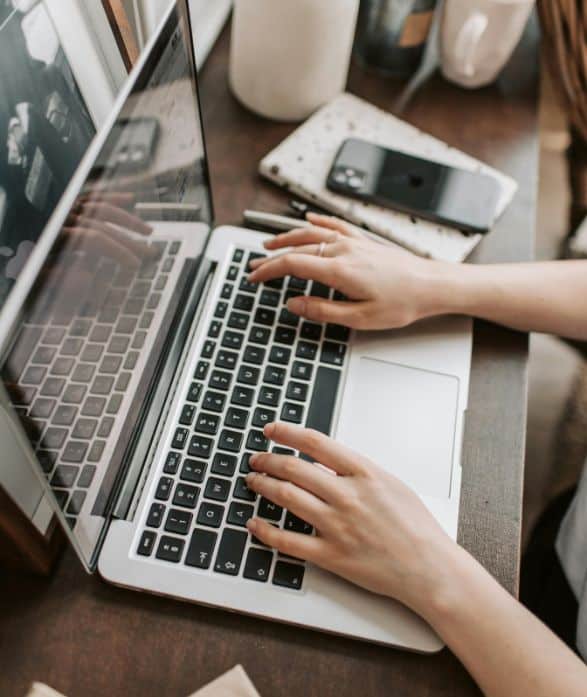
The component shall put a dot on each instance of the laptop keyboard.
(67, 375)
(259, 363)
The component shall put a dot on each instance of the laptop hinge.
(142, 458)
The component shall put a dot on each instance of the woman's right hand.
(385, 286)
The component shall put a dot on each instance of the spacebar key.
(323, 401)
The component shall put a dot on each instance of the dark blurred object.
(564, 26)
(392, 34)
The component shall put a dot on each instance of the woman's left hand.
(370, 528)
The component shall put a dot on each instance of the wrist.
(449, 288)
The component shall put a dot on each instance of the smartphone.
(429, 190)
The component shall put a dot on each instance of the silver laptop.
(139, 367)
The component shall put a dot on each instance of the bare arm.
(375, 532)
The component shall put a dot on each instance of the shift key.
(230, 553)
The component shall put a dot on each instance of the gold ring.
(321, 249)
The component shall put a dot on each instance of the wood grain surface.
(88, 639)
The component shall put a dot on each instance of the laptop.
(139, 366)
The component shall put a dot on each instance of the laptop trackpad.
(404, 419)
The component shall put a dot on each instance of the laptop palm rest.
(404, 419)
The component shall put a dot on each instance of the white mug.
(479, 36)
(289, 57)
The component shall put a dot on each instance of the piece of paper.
(301, 164)
(38, 689)
(234, 683)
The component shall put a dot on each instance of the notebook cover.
(301, 164)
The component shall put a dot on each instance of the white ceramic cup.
(289, 57)
(479, 36)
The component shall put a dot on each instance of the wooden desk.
(86, 638)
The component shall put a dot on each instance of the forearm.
(549, 297)
(505, 648)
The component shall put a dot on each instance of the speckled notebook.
(301, 164)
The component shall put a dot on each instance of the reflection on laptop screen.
(89, 347)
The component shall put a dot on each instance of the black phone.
(430, 190)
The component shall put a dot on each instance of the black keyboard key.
(237, 320)
(201, 549)
(232, 273)
(74, 451)
(297, 391)
(224, 464)
(242, 491)
(186, 495)
(194, 392)
(323, 400)
(230, 552)
(230, 440)
(306, 350)
(319, 290)
(248, 375)
(96, 450)
(254, 355)
(285, 335)
(259, 335)
(210, 514)
(208, 348)
(148, 539)
(255, 255)
(84, 429)
(170, 549)
(122, 382)
(131, 360)
(242, 396)
(155, 517)
(217, 489)
(52, 387)
(244, 467)
(214, 331)
(105, 427)
(43, 408)
(172, 463)
(34, 375)
(110, 364)
(295, 524)
(102, 385)
(238, 256)
(101, 333)
(53, 336)
(247, 286)
(163, 491)
(201, 370)
(207, 423)
(71, 347)
(93, 406)
(226, 359)
(288, 318)
(275, 283)
(44, 355)
(311, 331)
(200, 447)
(220, 310)
(187, 415)
(270, 510)
(76, 502)
(269, 298)
(299, 284)
(274, 375)
(236, 418)
(288, 575)
(337, 332)
(55, 437)
(302, 371)
(62, 366)
(220, 380)
(180, 438)
(214, 401)
(193, 471)
(65, 476)
(226, 292)
(258, 564)
(239, 513)
(232, 340)
(269, 396)
(257, 441)
(114, 404)
(61, 497)
(262, 417)
(264, 316)
(87, 475)
(178, 521)
(243, 302)
(292, 413)
(333, 353)
(280, 355)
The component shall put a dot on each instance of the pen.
(273, 222)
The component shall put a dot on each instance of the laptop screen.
(121, 251)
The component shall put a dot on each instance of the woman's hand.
(385, 286)
(371, 529)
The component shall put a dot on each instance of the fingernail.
(268, 429)
(251, 277)
(296, 305)
(250, 478)
(253, 459)
(254, 263)
(252, 524)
